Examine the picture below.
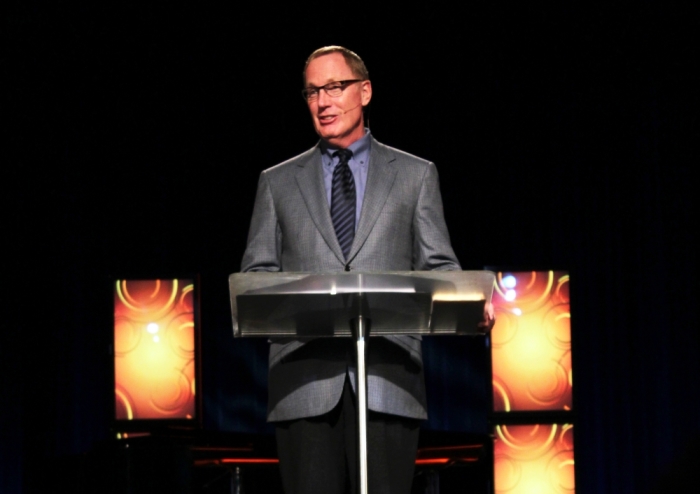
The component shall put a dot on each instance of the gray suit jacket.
(401, 228)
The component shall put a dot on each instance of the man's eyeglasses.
(332, 89)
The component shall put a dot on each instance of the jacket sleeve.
(431, 249)
(263, 250)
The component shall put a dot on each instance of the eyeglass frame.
(343, 86)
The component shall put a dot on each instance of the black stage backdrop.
(561, 130)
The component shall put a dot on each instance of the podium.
(357, 305)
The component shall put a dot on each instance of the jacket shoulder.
(392, 154)
(292, 164)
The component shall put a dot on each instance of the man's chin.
(331, 138)
(326, 133)
(338, 139)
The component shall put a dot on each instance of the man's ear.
(366, 92)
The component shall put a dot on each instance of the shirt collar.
(359, 148)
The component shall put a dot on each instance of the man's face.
(337, 120)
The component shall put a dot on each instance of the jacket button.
(347, 267)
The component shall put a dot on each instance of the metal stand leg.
(236, 484)
(362, 402)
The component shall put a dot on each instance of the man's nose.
(323, 98)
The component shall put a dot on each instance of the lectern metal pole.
(362, 401)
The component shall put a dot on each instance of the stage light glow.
(510, 295)
(154, 380)
(531, 344)
(534, 459)
(509, 281)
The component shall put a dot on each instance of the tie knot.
(343, 155)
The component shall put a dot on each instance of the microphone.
(343, 112)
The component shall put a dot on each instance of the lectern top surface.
(274, 304)
(470, 284)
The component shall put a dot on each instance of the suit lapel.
(380, 180)
(313, 190)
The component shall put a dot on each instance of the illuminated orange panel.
(531, 342)
(532, 459)
(154, 349)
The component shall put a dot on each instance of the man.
(349, 203)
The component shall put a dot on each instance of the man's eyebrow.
(322, 85)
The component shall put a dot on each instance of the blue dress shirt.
(359, 164)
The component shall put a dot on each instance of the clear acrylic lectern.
(312, 305)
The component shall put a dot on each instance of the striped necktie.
(343, 201)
